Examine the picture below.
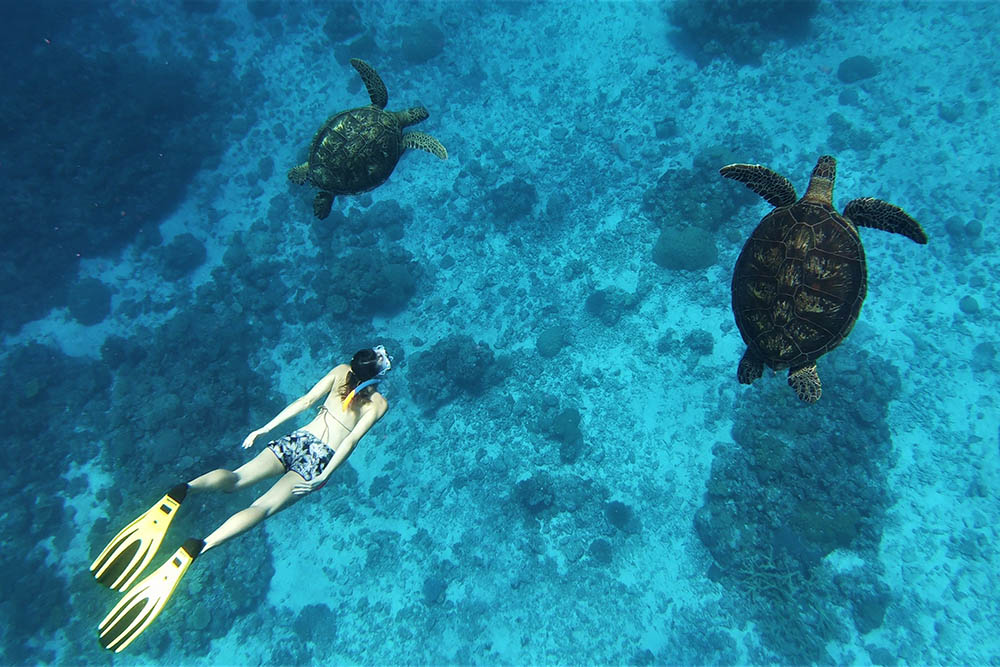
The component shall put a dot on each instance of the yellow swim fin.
(132, 549)
(134, 612)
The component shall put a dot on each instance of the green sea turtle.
(801, 277)
(356, 150)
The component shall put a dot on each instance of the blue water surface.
(569, 472)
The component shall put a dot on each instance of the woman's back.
(332, 421)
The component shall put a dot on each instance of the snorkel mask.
(383, 360)
(384, 363)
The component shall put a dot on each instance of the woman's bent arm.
(350, 441)
(301, 403)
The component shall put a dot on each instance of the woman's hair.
(364, 366)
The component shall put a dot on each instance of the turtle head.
(411, 116)
(821, 182)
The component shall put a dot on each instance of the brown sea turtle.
(356, 150)
(799, 282)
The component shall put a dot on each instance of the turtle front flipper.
(805, 381)
(411, 116)
(878, 214)
(773, 187)
(425, 142)
(373, 82)
(322, 205)
(300, 174)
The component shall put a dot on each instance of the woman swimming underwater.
(304, 459)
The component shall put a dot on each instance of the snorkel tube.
(367, 383)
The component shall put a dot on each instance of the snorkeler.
(304, 458)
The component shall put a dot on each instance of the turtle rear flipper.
(751, 367)
(425, 142)
(411, 116)
(300, 174)
(373, 82)
(877, 214)
(805, 381)
(773, 187)
(322, 205)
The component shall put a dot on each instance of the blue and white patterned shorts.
(302, 452)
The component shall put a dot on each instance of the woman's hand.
(315, 484)
(248, 442)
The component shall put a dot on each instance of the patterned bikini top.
(324, 409)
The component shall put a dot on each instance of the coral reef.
(738, 29)
(622, 517)
(421, 41)
(685, 249)
(562, 425)
(512, 201)
(534, 494)
(846, 136)
(454, 366)
(181, 256)
(551, 340)
(89, 301)
(698, 197)
(610, 304)
(343, 20)
(856, 68)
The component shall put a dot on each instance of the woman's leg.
(262, 466)
(276, 499)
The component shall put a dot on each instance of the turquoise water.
(569, 472)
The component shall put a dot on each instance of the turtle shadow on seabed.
(796, 483)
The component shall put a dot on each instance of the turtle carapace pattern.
(356, 150)
(801, 277)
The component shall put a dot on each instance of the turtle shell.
(798, 284)
(355, 151)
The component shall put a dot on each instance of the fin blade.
(121, 566)
(114, 551)
(137, 610)
(132, 549)
(123, 620)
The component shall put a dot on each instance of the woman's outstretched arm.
(304, 402)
